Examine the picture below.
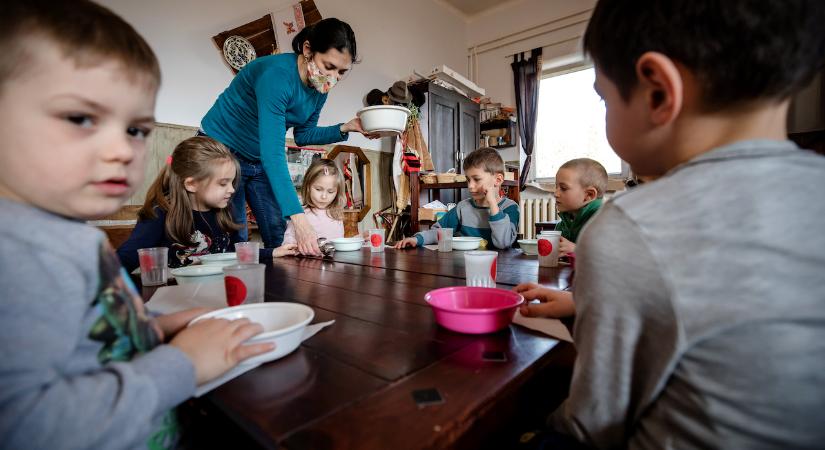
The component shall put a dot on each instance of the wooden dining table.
(352, 385)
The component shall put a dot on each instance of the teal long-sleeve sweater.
(266, 98)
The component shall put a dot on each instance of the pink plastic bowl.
(473, 310)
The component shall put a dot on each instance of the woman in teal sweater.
(268, 96)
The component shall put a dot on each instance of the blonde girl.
(186, 206)
(322, 194)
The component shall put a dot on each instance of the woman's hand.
(552, 303)
(355, 125)
(305, 235)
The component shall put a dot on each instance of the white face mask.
(322, 83)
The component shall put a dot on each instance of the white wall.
(394, 37)
(556, 26)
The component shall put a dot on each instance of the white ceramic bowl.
(466, 243)
(529, 246)
(283, 323)
(384, 119)
(220, 259)
(198, 274)
(348, 244)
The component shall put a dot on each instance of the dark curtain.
(526, 75)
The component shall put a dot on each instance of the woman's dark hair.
(327, 34)
(738, 50)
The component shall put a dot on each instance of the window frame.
(564, 70)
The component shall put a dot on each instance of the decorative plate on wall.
(238, 51)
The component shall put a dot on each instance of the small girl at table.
(323, 197)
(186, 207)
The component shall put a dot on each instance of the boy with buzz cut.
(84, 364)
(485, 214)
(700, 298)
(580, 186)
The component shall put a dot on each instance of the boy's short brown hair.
(484, 158)
(84, 31)
(591, 174)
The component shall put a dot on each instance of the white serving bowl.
(220, 259)
(466, 243)
(529, 246)
(198, 274)
(348, 244)
(384, 119)
(283, 323)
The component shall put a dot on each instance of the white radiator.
(534, 210)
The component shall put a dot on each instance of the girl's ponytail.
(193, 158)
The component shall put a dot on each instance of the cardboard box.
(430, 214)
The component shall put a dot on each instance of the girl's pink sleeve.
(289, 234)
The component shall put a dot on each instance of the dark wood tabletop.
(351, 385)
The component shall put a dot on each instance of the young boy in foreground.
(84, 365)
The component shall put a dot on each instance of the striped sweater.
(468, 219)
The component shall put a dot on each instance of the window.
(570, 124)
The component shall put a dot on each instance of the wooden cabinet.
(452, 129)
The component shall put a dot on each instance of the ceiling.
(471, 8)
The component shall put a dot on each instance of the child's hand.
(365, 234)
(566, 247)
(556, 304)
(285, 250)
(491, 195)
(216, 345)
(171, 324)
(408, 242)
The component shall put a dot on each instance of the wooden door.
(468, 129)
(444, 134)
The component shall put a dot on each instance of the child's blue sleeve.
(450, 220)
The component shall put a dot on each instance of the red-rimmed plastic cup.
(548, 248)
(376, 240)
(480, 268)
(244, 284)
(154, 265)
(247, 252)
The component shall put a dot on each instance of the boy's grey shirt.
(700, 304)
(468, 219)
(54, 392)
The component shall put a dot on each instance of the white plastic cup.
(244, 284)
(376, 240)
(480, 268)
(445, 239)
(154, 265)
(548, 248)
(248, 252)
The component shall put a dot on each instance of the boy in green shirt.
(580, 186)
